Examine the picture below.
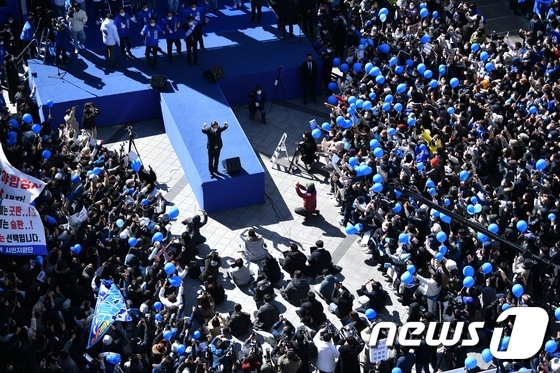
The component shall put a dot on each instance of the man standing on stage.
(214, 145)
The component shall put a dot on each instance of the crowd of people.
(435, 127)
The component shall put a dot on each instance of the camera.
(131, 133)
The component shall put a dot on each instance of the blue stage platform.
(249, 54)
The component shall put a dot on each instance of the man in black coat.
(296, 289)
(239, 322)
(376, 296)
(267, 315)
(311, 312)
(308, 75)
(319, 259)
(214, 144)
(293, 260)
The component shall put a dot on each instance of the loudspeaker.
(158, 81)
(232, 165)
(214, 73)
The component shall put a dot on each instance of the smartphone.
(87, 357)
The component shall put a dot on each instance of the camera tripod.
(278, 84)
(131, 136)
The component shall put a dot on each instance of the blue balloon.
(175, 281)
(421, 68)
(169, 268)
(486, 268)
(424, 13)
(343, 67)
(411, 121)
(113, 358)
(181, 349)
(386, 106)
(378, 152)
(468, 271)
(445, 218)
(46, 154)
(377, 187)
(428, 74)
(442, 249)
(384, 48)
(383, 11)
(442, 69)
(157, 237)
(371, 314)
(541, 164)
(332, 86)
(391, 131)
(470, 362)
(36, 128)
(120, 223)
(533, 109)
(483, 56)
(393, 61)
(517, 290)
(136, 165)
(389, 98)
(77, 249)
(430, 183)
(468, 282)
(433, 84)
(336, 62)
(446, 202)
(411, 268)
(399, 69)
(377, 178)
(505, 343)
(435, 14)
(425, 39)
(521, 226)
(438, 256)
(50, 103)
(407, 278)
(374, 144)
(493, 228)
(475, 47)
(397, 209)
(157, 306)
(367, 105)
(353, 161)
(400, 88)
(487, 355)
(350, 229)
(380, 79)
(14, 123)
(454, 82)
(158, 317)
(489, 66)
(463, 175)
(316, 133)
(173, 213)
(404, 238)
(27, 118)
(552, 216)
(441, 236)
(167, 335)
(357, 67)
(550, 346)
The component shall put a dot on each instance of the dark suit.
(267, 315)
(308, 79)
(214, 146)
(319, 260)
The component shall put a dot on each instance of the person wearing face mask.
(77, 18)
(144, 14)
(170, 26)
(122, 21)
(214, 145)
(151, 33)
(110, 38)
(190, 40)
(257, 101)
(9, 39)
(200, 19)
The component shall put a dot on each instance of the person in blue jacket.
(122, 21)
(198, 13)
(144, 14)
(62, 40)
(151, 33)
(27, 37)
(170, 25)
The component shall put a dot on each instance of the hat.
(310, 186)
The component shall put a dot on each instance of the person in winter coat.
(110, 38)
(296, 289)
(62, 40)
(348, 361)
(309, 196)
(254, 246)
(122, 21)
(257, 102)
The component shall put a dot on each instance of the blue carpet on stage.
(248, 53)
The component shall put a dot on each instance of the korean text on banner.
(16, 185)
(21, 229)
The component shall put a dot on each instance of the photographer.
(72, 125)
(289, 362)
(77, 18)
(89, 120)
(327, 353)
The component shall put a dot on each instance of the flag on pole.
(110, 307)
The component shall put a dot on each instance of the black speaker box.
(214, 73)
(232, 165)
(158, 81)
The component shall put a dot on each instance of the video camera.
(347, 332)
(131, 133)
(303, 330)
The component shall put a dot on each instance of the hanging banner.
(16, 185)
(21, 229)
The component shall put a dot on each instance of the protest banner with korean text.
(21, 229)
(16, 185)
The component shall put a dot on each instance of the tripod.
(59, 75)
(131, 143)
(278, 83)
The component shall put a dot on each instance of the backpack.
(263, 287)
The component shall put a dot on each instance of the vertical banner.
(16, 185)
(21, 229)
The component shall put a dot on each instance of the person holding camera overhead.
(89, 120)
(326, 351)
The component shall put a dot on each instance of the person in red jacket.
(309, 195)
